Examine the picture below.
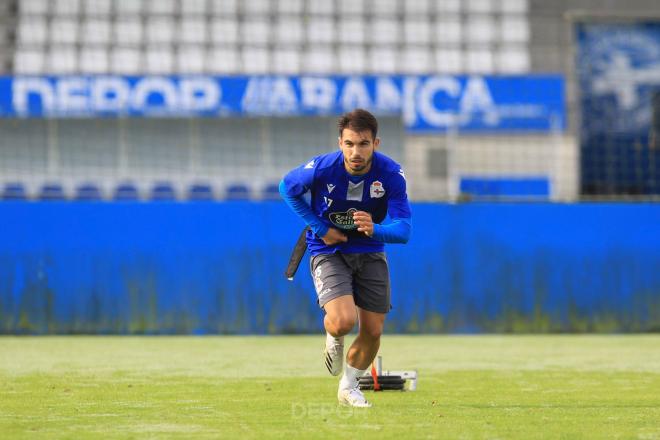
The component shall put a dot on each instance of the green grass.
(470, 387)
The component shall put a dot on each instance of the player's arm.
(399, 229)
(303, 210)
(298, 205)
(292, 189)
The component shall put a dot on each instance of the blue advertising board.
(426, 103)
(169, 267)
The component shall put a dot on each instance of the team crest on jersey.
(343, 220)
(376, 190)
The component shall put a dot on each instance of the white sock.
(331, 340)
(350, 378)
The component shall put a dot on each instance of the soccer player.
(352, 190)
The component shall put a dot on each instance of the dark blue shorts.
(365, 276)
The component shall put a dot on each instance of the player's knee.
(372, 332)
(342, 324)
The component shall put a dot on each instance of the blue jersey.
(336, 195)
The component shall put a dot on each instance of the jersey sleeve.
(292, 188)
(398, 208)
(397, 202)
(299, 180)
(304, 211)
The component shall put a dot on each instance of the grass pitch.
(470, 387)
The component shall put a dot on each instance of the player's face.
(358, 149)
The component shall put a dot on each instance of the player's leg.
(360, 356)
(339, 320)
(340, 315)
(333, 283)
(372, 296)
(365, 347)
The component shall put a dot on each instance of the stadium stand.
(126, 192)
(88, 192)
(14, 191)
(51, 192)
(163, 191)
(283, 37)
(200, 193)
(271, 192)
(176, 36)
(238, 191)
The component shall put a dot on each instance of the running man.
(352, 190)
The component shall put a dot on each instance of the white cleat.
(334, 354)
(353, 397)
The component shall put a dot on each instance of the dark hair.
(358, 120)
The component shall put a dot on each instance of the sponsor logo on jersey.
(343, 220)
(376, 190)
(401, 173)
(309, 165)
(330, 187)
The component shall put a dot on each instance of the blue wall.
(218, 267)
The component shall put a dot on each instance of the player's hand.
(364, 222)
(334, 236)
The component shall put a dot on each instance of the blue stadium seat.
(126, 192)
(14, 191)
(271, 192)
(200, 192)
(88, 192)
(238, 191)
(51, 192)
(163, 191)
